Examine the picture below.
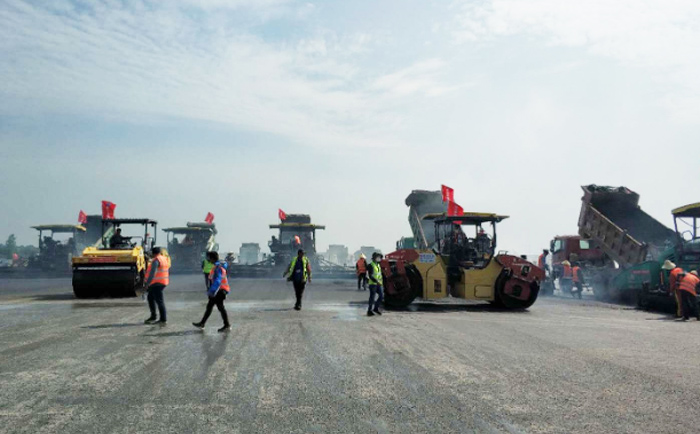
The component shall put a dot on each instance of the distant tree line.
(10, 247)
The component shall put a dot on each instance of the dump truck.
(58, 243)
(456, 257)
(639, 244)
(595, 264)
(188, 245)
(117, 266)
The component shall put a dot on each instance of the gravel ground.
(563, 366)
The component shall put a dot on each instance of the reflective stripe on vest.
(689, 282)
(568, 274)
(376, 272)
(575, 272)
(224, 277)
(162, 275)
(305, 266)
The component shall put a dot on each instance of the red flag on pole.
(209, 218)
(282, 214)
(82, 217)
(454, 209)
(108, 209)
(448, 194)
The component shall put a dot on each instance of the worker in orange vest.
(158, 277)
(566, 279)
(577, 279)
(688, 289)
(674, 273)
(361, 270)
(217, 291)
(542, 261)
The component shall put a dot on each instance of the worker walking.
(158, 277)
(207, 266)
(217, 290)
(566, 279)
(688, 289)
(674, 274)
(376, 284)
(577, 280)
(361, 270)
(299, 272)
(542, 261)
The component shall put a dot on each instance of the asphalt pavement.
(563, 366)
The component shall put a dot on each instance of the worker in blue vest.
(376, 284)
(299, 273)
(217, 291)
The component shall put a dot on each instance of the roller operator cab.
(461, 263)
(116, 265)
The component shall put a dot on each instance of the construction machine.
(57, 245)
(456, 257)
(295, 232)
(116, 267)
(187, 245)
(638, 244)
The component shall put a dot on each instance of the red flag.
(448, 194)
(454, 209)
(82, 217)
(209, 218)
(108, 209)
(282, 214)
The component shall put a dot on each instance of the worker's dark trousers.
(299, 291)
(207, 282)
(374, 304)
(155, 297)
(689, 303)
(578, 289)
(362, 281)
(217, 300)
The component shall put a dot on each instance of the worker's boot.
(370, 313)
(225, 328)
(151, 320)
(377, 311)
(199, 325)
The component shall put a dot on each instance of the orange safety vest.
(568, 273)
(224, 278)
(541, 261)
(361, 266)
(689, 282)
(673, 279)
(575, 272)
(162, 275)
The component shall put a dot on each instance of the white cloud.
(135, 61)
(658, 35)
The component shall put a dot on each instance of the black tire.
(505, 301)
(407, 294)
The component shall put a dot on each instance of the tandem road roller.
(456, 256)
(116, 266)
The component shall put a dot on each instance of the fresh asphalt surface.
(563, 366)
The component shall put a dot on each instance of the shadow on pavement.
(104, 305)
(112, 326)
(54, 297)
(171, 334)
(432, 307)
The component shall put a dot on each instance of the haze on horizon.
(340, 109)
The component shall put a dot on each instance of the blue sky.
(340, 109)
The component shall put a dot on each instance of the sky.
(340, 109)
